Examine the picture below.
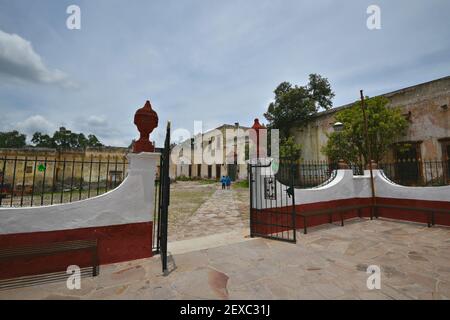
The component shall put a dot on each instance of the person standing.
(223, 181)
(228, 182)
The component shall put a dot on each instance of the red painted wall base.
(279, 219)
(115, 244)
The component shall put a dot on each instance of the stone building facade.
(214, 140)
(50, 168)
(425, 106)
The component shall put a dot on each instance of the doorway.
(218, 171)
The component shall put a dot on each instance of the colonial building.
(213, 141)
(426, 106)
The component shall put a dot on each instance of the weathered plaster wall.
(219, 141)
(47, 157)
(429, 122)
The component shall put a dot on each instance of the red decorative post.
(146, 120)
(257, 126)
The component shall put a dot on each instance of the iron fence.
(28, 182)
(412, 172)
(306, 174)
(310, 174)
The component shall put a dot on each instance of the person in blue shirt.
(228, 182)
(223, 181)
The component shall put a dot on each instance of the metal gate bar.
(272, 215)
(165, 196)
(162, 199)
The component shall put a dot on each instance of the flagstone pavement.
(330, 262)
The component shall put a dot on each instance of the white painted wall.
(131, 202)
(343, 186)
(387, 189)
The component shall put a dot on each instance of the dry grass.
(242, 198)
(185, 198)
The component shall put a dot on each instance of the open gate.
(272, 204)
(162, 198)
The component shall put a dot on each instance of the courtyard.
(211, 256)
(202, 208)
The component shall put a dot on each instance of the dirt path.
(223, 212)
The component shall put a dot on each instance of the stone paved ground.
(222, 212)
(328, 263)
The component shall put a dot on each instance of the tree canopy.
(385, 126)
(61, 139)
(289, 149)
(295, 105)
(12, 139)
(65, 139)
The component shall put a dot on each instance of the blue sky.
(208, 60)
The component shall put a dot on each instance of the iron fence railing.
(306, 174)
(310, 174)
(33, 181)
(412, 172)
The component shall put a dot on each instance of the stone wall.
(53, 161)
(424, 106)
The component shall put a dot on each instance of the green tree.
(93, 141)
(65, 139)
(385, 126)
(295, 105)
(43, 140)
(82, 141)
(12, 139)
(289, 149)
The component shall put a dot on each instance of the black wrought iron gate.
(272, 204)
(162, 198)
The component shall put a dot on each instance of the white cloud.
(36, 123)
(96, 121)
(108, 133)
(19, 61)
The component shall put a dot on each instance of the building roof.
(225, 126)
(228, 126)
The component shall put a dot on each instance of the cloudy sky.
(209, 60)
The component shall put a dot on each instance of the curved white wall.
(387, 189)
(343, 186)
(131, 202)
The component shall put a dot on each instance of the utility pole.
(369, 152)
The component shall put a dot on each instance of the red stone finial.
(257, 126)
(146, 120)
